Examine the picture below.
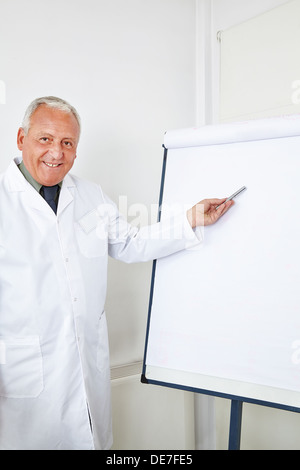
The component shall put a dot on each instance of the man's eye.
(68, 144)
(44, 139)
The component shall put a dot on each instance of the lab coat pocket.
(91, 235)
(21, 367)
(103, 346)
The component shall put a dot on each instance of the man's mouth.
(52, 165)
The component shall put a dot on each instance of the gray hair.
(51, 102)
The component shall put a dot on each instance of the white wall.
(128, 66)
(151, 417)
(259, 70)
(225, 14)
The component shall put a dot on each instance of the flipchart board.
(224, 316)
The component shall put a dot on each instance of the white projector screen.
(224, 317)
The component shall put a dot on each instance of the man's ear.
(20, 138)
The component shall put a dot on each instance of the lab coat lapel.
(66, 194)
(17, 183)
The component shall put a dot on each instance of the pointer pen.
(232, 196)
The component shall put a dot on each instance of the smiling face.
(49, 148)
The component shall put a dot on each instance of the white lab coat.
(54, 355)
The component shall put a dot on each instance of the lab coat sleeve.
(132, 244)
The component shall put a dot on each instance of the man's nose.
(56, 151)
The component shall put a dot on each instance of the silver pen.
(233, 196)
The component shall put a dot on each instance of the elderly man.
(56, 231)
